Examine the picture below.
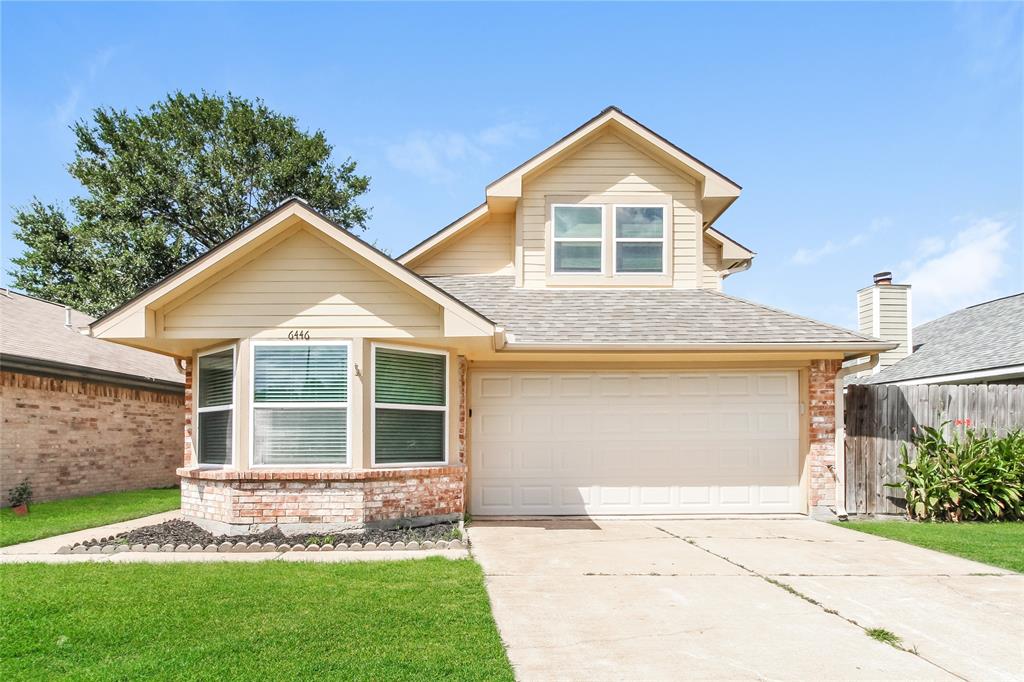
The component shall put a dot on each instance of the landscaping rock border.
(179, 535)
(263, 547)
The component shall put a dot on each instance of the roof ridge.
(793, 315)
(994, 300)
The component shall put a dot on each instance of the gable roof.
(718, 190)
(33, 337)
(715, 184)
(676, 318)
(293, 208)
(986, 336)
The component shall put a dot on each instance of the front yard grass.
(996, 544)
(46, 519)
(416, 619)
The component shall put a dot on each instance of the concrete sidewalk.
(742, 599)
(52, 544)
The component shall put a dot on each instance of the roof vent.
(67, 316)
(884, 277)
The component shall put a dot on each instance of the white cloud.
(804, 256)
(949, 274)
(437, 156)
(65, 112)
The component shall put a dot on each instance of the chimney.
(883, 311)
(67, 316)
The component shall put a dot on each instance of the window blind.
(301, 374)
(409, 378)
(216, 378)
(300, 415)
(408, 436)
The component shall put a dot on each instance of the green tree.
(165, 185)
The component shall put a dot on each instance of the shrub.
(21, 494)
(974, 476)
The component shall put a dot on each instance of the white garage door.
(634, 443)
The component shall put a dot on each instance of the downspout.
(840, 421)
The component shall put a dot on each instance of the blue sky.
(866, 136)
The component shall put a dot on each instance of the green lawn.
(47, 519)
(997, 544)
(420, 619)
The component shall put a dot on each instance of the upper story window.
(640, 239)
(215, 406)
(577, 239)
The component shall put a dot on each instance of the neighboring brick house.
(82, 415)
(562, 349)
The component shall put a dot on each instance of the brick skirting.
(312, 501)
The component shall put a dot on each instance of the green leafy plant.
(973, 476)
(884, 636)
(21, 494)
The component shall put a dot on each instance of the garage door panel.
(634, 442)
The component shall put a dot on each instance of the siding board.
(610, 166)
(303, 282)
(484, 250)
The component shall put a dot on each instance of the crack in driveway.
(796, 593)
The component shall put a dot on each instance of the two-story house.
(562, 349)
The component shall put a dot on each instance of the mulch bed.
(180, 532)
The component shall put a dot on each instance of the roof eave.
(850, 350)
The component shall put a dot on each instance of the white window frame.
(402, 406)
(297, 405)
(600, 240)
(217, 408)
(616, 240)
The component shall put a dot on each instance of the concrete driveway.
(742, 599)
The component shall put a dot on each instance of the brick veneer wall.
(71, 437)
(822, 454)
(240, 501)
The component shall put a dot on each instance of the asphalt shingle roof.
(985, 336)
(640, 316)
(33, 328)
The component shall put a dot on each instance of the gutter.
(840, 421)
(854, 350)
(62, 370)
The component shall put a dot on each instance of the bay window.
(215, 396)
(410, 406)
(640, 239)
(577, 233)
(300, 410)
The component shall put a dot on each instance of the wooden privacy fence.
(879, 418)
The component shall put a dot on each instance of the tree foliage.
(163, 186)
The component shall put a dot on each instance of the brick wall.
(72, 438)
(822, 454)
(240, 501)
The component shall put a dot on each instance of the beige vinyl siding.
(865, 311)
(485, 249)
(609, 167)
(711, 265)
(303, 282)
(892, 322)
(882, 311)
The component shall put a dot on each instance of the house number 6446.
(298, 335)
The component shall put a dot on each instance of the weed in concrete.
(885, 636)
